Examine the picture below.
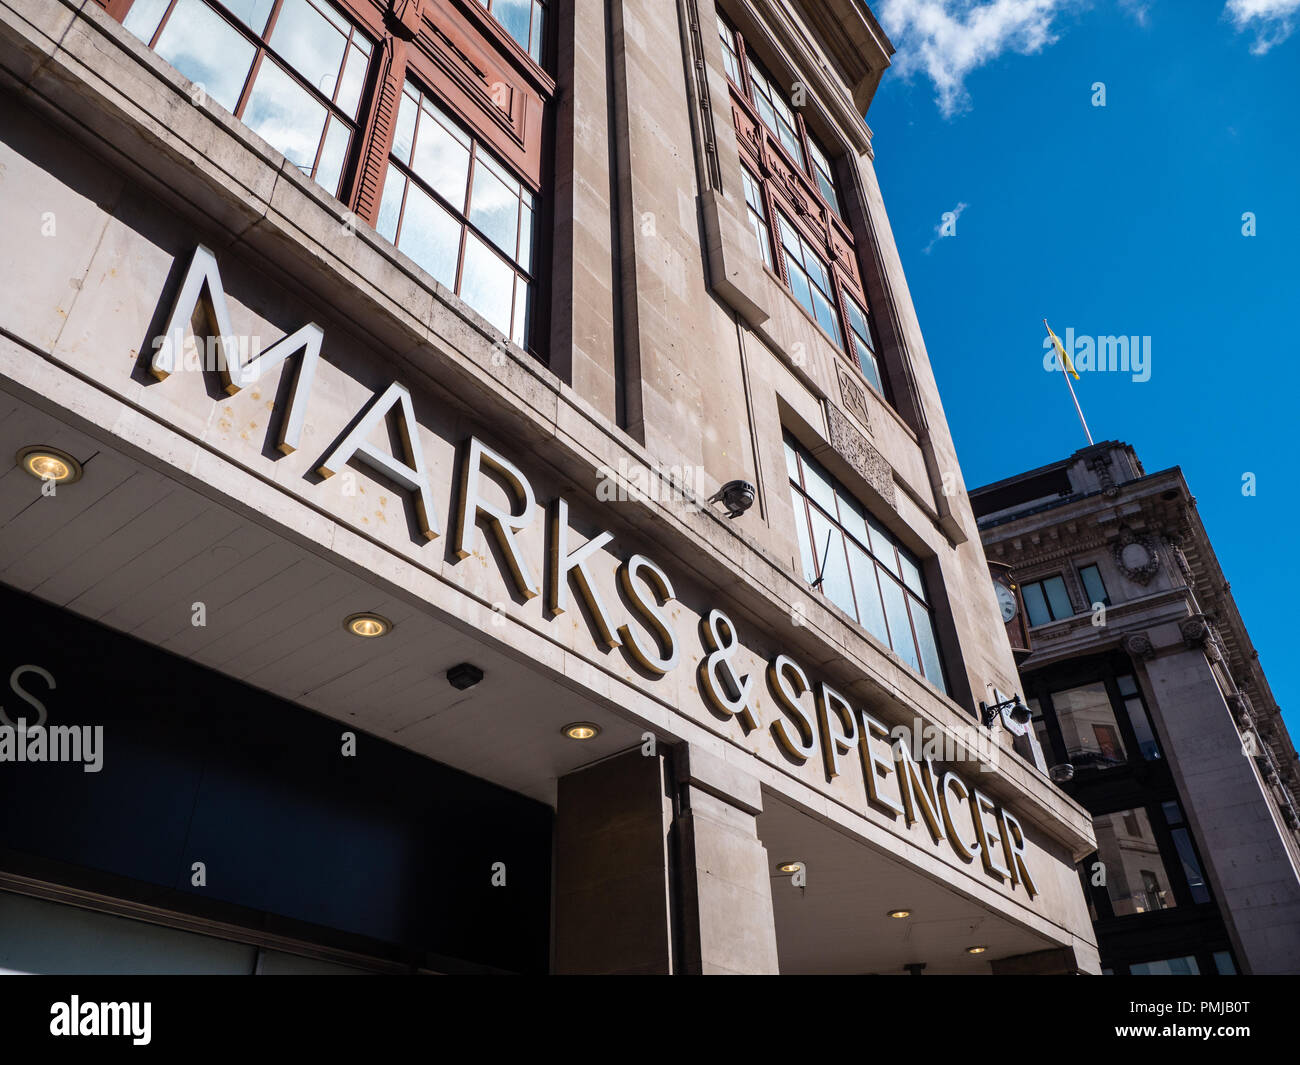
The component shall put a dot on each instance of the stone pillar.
(612, 892)
(659, 869)
(1255, 882)
(725, 875)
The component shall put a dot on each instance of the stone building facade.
(508, 508)
(1143, 679)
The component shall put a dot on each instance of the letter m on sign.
(202, 277)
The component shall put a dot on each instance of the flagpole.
(1070, 385)
(1082, 421)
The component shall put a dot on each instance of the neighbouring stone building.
(481, 502)
(1143, 680)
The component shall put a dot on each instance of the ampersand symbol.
(728, 694)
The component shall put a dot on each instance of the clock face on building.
(1006, 601)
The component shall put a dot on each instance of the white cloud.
(947, 39)
(1272, 20)
(1140, 10)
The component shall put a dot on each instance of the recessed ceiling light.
(976, 950)
(367, 625)
(789, 867)
(900, 914)
(49, 464)
(581, 730)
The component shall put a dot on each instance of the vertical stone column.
(659, 869)
(612, 890)
(724, 871)
(1250, 869)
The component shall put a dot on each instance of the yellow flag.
(1060, 351)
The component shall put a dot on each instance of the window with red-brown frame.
(795, 206)
(335, 86)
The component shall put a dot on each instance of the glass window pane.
(1191, 867)
(441, 156)
(1088, 726)
(253, 13)
(527, 219)
(1137, 715)
(494, 206)
(1057, 598)
(286, 115)
(430, 236)
(817, 483)
(333, 154)
(309, 44)
(487, 283)
(404, 135)
(143, 18)
(826, 316)
(519, 330)
(535, 44)
(882, 546)
(806, 558)
(1223, 963)
(900, 628)
(353, 81)
(924, 625)
(800, 288)
(911, 572)
(829, 543)
(791, 460)
(867, 360)
(1127, 685)
(853, 517)
(516, 17)
(390, 207)
(1035, 604)
(871, 612)
(1135, 875)
(208, 50)
(1168, 967)
(1093, 585)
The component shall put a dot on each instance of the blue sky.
(1117, 220)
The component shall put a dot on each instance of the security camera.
(736, 496)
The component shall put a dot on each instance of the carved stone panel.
(855, 400)
(853, 448)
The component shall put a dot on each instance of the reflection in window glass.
(522, 19)
(862, 569)
(1136, 880)
(1093, 585)
(775, 112)
(1167, 967)
(757, 215)
(1223, 963)
(1088, 727)
(306, 106)
(285, 114)
(824, 174)
(730, 57)
(1046, 600)
(809, 279)
(208, 50)
(459, 212)
(1137, 715)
